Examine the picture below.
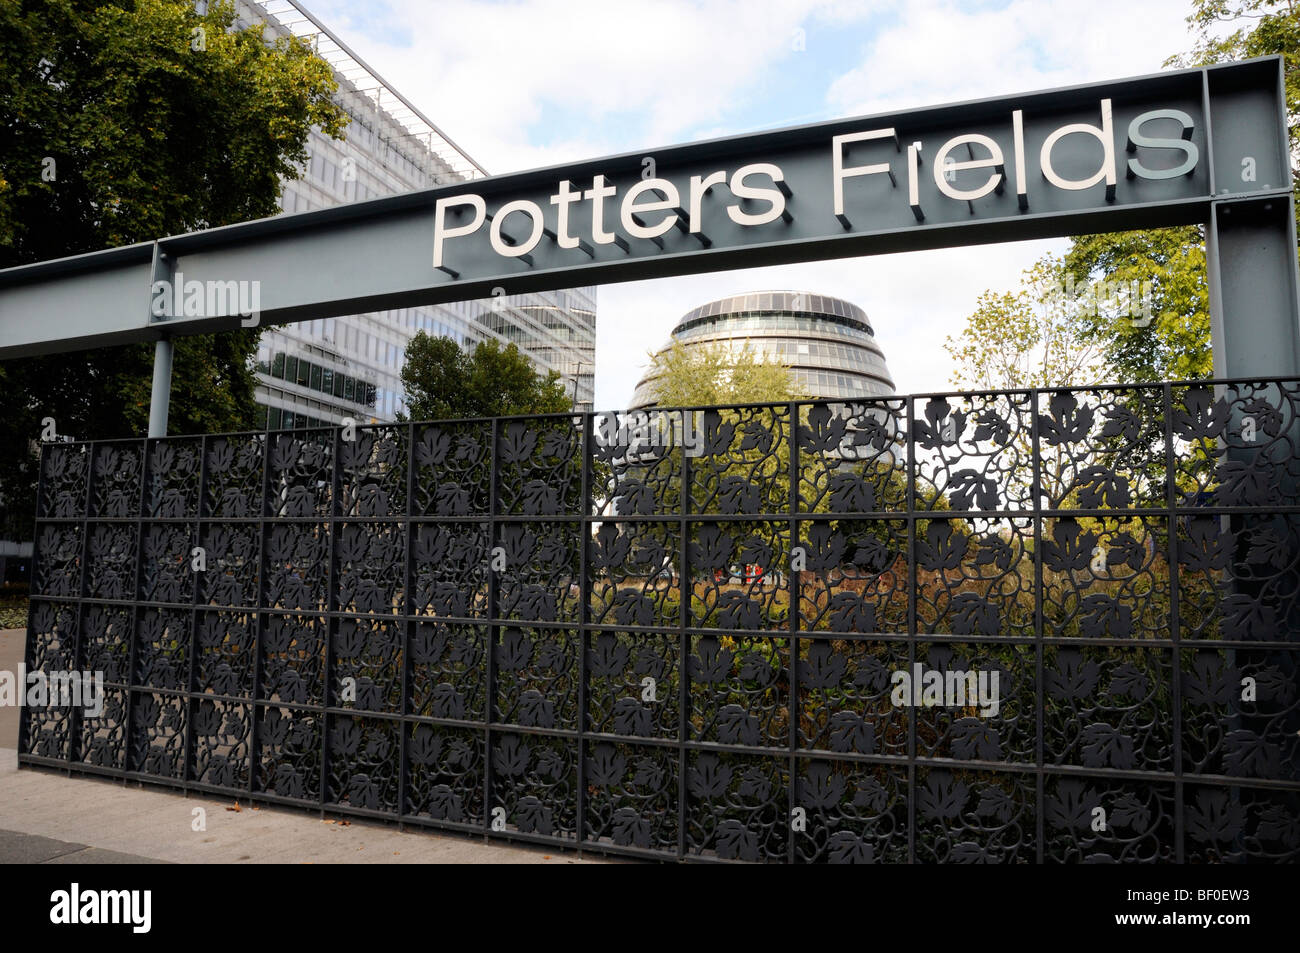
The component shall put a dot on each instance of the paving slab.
(93, 855)
(18, 848)
(47, 816)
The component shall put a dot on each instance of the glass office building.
(828, 343)
(324, 370)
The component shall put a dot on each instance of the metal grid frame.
(717, 781)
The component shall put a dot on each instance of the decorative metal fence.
(684, 635)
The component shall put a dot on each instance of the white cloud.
(488, 72)
(928, 53)
(938, 52)
(528, 84)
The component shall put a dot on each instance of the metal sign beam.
(1160, 150)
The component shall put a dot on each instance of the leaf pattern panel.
(703, 666)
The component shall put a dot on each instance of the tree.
(704, 376)
(1032, 337)
(1035, 337)
(443, 381)
(1167, 337)
(1175, 342)
(122, 121)
(157, 119)
(739, 444)
(1256, 28)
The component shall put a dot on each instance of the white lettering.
(440, 230)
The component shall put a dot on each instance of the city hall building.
(321, 371)
(828, 343)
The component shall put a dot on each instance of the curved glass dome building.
(828, 343)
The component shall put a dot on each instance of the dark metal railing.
(682, 638)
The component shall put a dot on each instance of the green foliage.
(1170, 338)
(155, 120)
(149, 136)
(1032, 337)
(13, 605)
(707, 375)
(1175, 344)
(1255, 28)
(717, 375)
(444, 382)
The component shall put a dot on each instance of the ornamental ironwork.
(1045, 625)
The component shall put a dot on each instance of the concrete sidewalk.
(47, 817)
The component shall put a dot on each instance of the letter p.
(441, 232)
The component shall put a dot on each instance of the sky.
(521, 84)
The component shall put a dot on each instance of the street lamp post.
(574, 377)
